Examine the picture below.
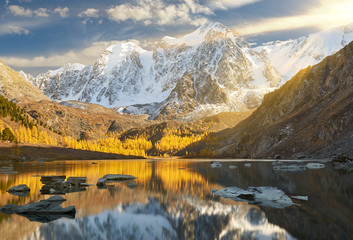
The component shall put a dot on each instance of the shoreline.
(35, 152)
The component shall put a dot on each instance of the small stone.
(232, 167)
(247, 164)
(19, 188)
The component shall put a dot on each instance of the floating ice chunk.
(315, 165)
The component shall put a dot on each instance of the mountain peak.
(213, 26)
(208, 31)
(125, 47)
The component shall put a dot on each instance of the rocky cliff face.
(312, 114)
(14, 87)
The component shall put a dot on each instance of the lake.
(176, 199)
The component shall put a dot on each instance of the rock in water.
(303, 198)
(52, 178)
(263, 196)
(247, 164)
(232, 167)
(7, 170)
(315, 165)
(109, 178)
(118, 177)
(101, 182)
(216, 164)
(19, 188)
(76, 181)
(46, 210)
(294, 168)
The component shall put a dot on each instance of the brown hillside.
(14, 86)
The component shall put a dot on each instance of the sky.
(37, 35)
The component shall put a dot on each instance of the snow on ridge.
(198, 36)
(290, 56)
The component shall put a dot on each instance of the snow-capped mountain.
(205, 72)
(289, 57)
(224, 74)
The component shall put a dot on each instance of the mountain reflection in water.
(180, 219)
(173, 200)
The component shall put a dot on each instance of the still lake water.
(174, 200)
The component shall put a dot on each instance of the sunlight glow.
(330, 14)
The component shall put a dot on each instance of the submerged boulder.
(43, 211)
(263, 196)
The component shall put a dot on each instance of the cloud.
(22, 12)
(87, 55)
(41, 12)
(63, 12)
(13, 29)
(227, 4)
(90, 13)
(329, 14)
(159, 13)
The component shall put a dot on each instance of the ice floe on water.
(263, 196)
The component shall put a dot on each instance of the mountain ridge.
(216, 60)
